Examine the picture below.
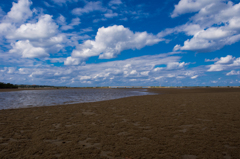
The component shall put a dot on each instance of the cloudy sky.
(120, 42)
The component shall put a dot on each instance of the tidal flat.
(176, 123)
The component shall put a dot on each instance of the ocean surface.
(34, 98)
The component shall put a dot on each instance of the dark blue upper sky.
(117, 42)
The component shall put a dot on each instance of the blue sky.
(120, 42)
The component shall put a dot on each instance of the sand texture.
(181, 123)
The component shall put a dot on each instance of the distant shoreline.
(56, 88)
(24, 89)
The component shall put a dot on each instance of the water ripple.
(33, 98)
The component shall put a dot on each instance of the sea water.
(35, 98)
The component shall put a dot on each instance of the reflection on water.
(33, 98)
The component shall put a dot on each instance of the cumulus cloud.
(217, 13)
(208, 40)
(226, 60)
(27, 50)
(110, 41)
(189, 6)
(5, 28)
(233, 72)
(89, 7)
(39, 36)
(225, 63)
(215, 25)
(72, 61)
(44, 28)
(20, 11)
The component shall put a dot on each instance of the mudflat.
(178, 123)
(9, 90)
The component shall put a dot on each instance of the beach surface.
(176, 123)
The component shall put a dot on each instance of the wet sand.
(10, 90)
(180, 123)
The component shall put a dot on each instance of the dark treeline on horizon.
(7, 85)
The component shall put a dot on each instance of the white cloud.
(176, 65)
(216, 24)
(225, 63)
(145, 73)
(158, 69)
(214, 81)
(109, 73)
(61, 20)
(133, 72)
(233, 73)
(11, 69)
(27, 50)
(189, 6)
(44, 28)
(47, 4)
(72, 61)
(75, 21)
(212, 60)
(61, 2)
(115, 2)
(20, 11)
(216, 67)
(5, 28)
(4, 70)
(133, 80)
(157, 78)
(213, 34)
(110, 41)
(194, 77)
(37, 73)
(189, 29)
(124, 19)
(39, 38)
(226, 60)
(217, 13)
(141, 68)
(85, 77)
(110, 14)
(234, 23)
(23, 71)
(89, 7)
(207, 40)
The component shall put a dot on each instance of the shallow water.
(34, 98)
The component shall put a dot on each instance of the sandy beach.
(177, 123)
